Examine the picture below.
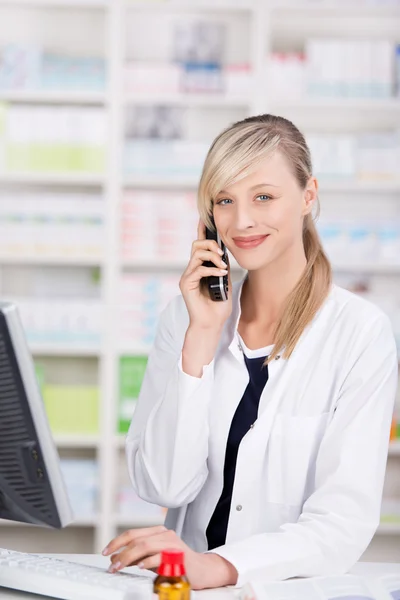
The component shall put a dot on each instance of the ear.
(310, 196)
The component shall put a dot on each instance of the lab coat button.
(252, 425)
(239, 507)
(240, 348)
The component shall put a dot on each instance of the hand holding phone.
(206, 289)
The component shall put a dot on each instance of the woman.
(263, 421)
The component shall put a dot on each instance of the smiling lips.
(249, 242)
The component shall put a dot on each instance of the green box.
(131, 373)
(72, 409)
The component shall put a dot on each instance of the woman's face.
(260, 218)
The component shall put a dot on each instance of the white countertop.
(361, 568)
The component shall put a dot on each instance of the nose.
(243, 217)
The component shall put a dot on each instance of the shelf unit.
(77, 441)
(189, 100)
(107, 445)
(350, 9)
(68, 261)
(53, 97)
(339, 104)
(54, 179)
(65, 350)
(92, 4)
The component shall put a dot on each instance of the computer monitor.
(32, 489)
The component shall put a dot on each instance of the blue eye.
(223, 201)
(264, 197)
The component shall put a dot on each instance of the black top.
(245, 415)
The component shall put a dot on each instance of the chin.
(249, 263)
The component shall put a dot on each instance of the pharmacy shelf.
(190, 6)
(391, 105)
(160, 183)
(65, 350)
(68, 441)
(127, 522)
(189, 100)
(389, 529)
(54, 260)
(344, 11)
(56, 97)
(78, 522)
(394, 448)
(56, 179)
(372, 186)
(95, 4)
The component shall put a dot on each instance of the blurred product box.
(202, 78)
(31, 68)
(60, 139)
(336, 68)
(167, 159)
(361, 242)
(238, 80)
(233, 80)
(81, 478)
(143, 298)
(52, 224)
(72, 409)
(390, 511)
(152, 78)
(339, 68)
(356, 157)
(286, 75)
(131, 373)
(62, 321)
(150, 230)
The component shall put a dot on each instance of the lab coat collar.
(232, 326)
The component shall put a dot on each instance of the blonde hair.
(234, 154)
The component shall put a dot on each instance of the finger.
(137, 552)
(135, 542)
(211, 245)
(201, 230)
(202, 271)
(152, 562)
(201, 256)
(128, 536)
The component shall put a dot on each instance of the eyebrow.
(254, 187)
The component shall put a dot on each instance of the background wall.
(106, 112)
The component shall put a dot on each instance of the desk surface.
(370, 569)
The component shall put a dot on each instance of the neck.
(265, 290)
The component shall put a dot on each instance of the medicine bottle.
(171, 582)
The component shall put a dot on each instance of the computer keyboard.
(68, 580)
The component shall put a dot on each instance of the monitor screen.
(31, 486)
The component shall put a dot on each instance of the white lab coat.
(309, 474)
